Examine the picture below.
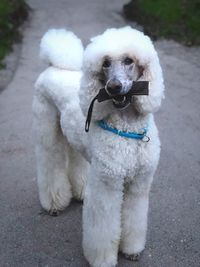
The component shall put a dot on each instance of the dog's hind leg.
(134, 220)
(51, 156)
(101, 220)
(78, 172)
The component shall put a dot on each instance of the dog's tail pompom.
(62, 49)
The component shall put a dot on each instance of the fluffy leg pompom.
(134, 222)
(101, 221)
(78, 172)
(52, 157)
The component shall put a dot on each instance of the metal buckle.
(146, 139)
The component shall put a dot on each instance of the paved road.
(29, 238)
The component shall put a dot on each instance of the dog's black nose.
(113, 87)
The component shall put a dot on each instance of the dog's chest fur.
(124, 158)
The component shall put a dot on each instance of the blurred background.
(178, 20)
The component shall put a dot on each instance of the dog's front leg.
(134, 219)
(101, 220)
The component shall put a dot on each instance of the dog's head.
(114, 60)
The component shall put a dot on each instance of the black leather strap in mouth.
(119, 101)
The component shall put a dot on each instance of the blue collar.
(132, 135)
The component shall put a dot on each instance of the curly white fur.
(62, 49)
(119, 171)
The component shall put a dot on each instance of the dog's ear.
(152, 72)
(145, 73)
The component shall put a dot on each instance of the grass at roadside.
(178, 20)
(12, 15)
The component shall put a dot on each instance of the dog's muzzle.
(113, 87)
(115, 90)
(119, 100)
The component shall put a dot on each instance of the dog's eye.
(106, 63)
(128, 61)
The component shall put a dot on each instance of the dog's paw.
(56, 196)
(52, 212)
(104, 264)
(54, 205)
(133, 257)
(101, 258)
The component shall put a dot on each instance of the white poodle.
(111, 166)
